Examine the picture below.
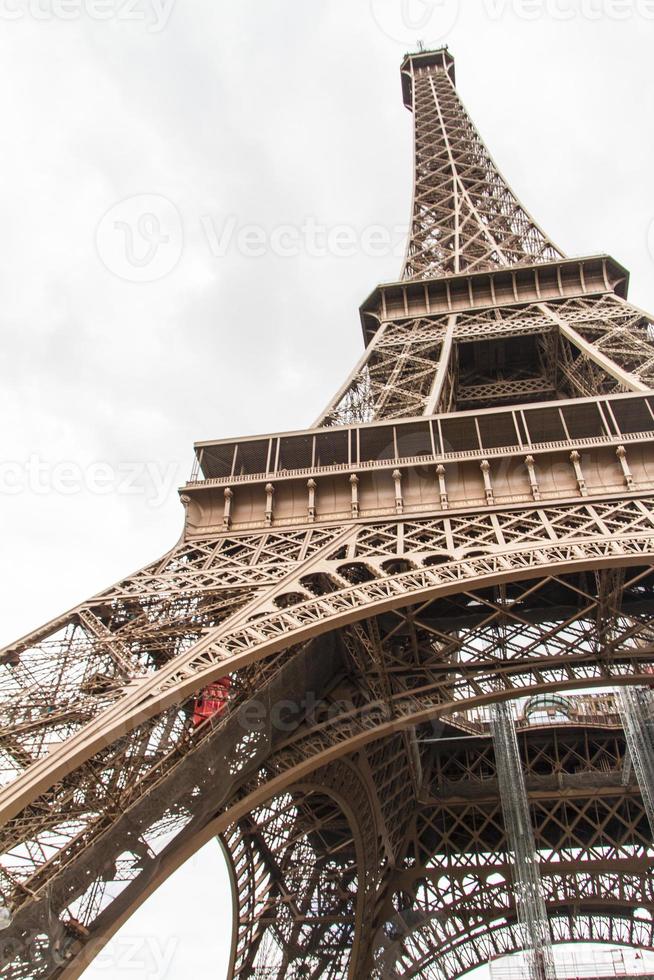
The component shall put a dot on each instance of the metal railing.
(600, 710)
(612, 963)
(425, 459)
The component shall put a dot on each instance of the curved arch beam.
(296, 761)
(176, 854)
(184, 845)
(504, 940)
(440, 945)
(245, 640)
(305, 752)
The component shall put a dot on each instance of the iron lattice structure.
(397, 613)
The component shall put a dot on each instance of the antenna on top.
(421, 45)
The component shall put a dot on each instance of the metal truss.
(359, 632)
(465, 215)
(582, 347)
(593, 844)
(296, 868)
(432, 661)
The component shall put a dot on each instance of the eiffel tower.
(399, 663)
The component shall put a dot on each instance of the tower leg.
(530, 904)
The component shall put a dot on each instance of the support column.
(636, 706)
(444, 359)
(530, 904)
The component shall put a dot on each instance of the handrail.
(422, 460)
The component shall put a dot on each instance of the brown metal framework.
(469, 524)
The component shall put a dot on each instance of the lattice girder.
(573, 535)
(589, 345)
(454, 906)
(305, 917)
(465, 216)
(569, 662)
(357, 594)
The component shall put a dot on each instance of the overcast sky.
(173, 175)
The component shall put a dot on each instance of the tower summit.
(376, 663)
(465, 215)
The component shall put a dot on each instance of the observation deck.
(470, 461)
